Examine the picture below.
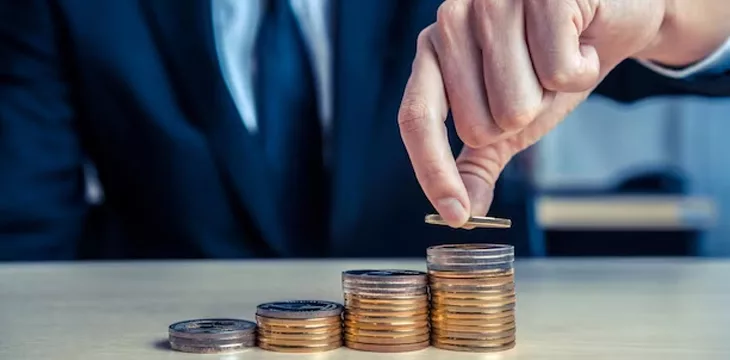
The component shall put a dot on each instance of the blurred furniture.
(567, 308)
(622, 225)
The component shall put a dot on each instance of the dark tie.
(290, 128)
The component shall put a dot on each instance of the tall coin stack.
(386, 310)
(472, 297)
(299, 326)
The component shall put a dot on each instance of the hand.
(509, 71)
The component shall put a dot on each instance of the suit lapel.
(184, 33)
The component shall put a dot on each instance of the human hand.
(509, 71)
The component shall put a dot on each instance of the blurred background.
(650, 178)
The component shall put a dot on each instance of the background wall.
(603, 141)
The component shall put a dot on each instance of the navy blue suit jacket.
(134, 87)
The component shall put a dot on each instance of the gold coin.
(487, 308)
(475, 296)
(299, 349)
(474, 342)
(298, 335)
(475, 221)
(383, 325)
(472, 274)
(468, 348)
(299, 329)
(403, 299)
(485, 320)
(385, 308)
(438, 314)
(473, 335)
(439, 302)
(486, 281)
(387, 314)
(388, 333)
(386, 320)
(387, 348)
(298, 342)
(476, 290)
(448, 325)
(387, 341)
(303, 323)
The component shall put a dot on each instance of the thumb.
(479, 169)
(554, 30)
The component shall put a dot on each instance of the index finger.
(421, 121)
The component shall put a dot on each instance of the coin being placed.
(212, 336)
(299, 309)
(474, 221)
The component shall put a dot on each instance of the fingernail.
(451, 210)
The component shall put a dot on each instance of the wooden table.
(567, 309)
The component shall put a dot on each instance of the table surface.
(566, 309)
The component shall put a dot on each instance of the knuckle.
(557, 79)
(450, 11)
(475, 135)
(424, 38)
(515, 118)
(448, 16)
(413, 116)
(487, 7)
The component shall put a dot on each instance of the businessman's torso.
(181, 174)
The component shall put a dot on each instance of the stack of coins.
(386, 310)
(472, 297)
(212, 336)
(300, 326)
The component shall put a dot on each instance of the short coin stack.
(386, 310)
(300, 326)
(212, 336)
(472, 297)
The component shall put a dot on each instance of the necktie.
(290, 128)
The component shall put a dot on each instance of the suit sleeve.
(631, 81)
(42, 205)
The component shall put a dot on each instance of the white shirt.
(236, 25)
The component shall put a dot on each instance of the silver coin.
(386, 292)
(183, 341)
(471, 250)
(299, 309)
(475, 221)
(212, 349)
(380, 285)
(507, 266)
(212, 328)
(385, 275)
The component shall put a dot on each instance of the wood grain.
(567, 309)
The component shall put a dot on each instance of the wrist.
(691, 30)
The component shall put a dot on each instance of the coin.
(386, 310)
(387, 333)
(300, 326)
(475, 221)
(473, 297)
(381, 340)
(299, 309)
(473, 347)
(387, 348)
(395, 299)
(316, 323)
(300, 349)
(215, 336)
(386, 326)
(386, 276)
